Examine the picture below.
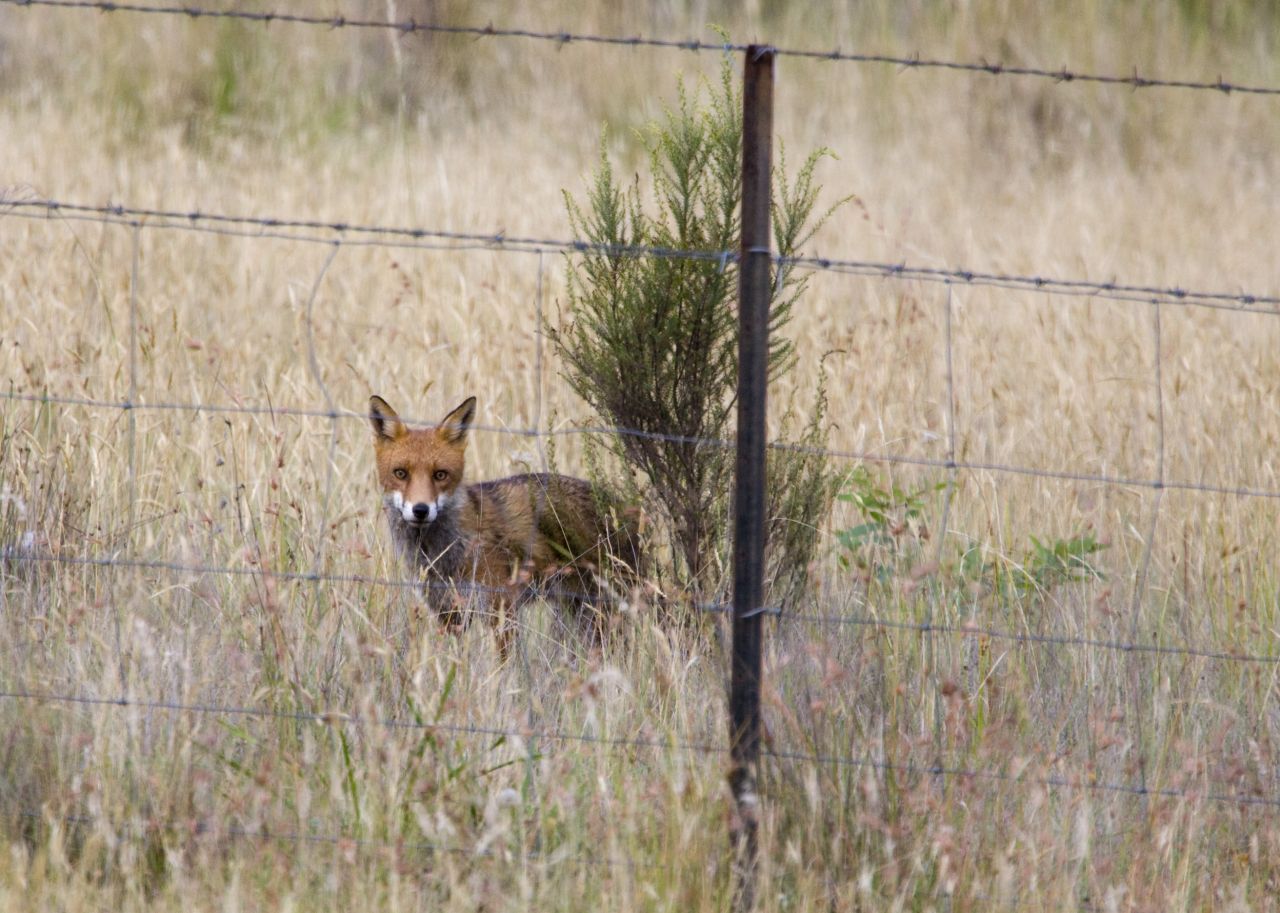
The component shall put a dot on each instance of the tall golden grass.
(282, 742)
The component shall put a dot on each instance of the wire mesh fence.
(949, 638)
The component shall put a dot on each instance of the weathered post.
(749, 487)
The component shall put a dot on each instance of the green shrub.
(650, 341)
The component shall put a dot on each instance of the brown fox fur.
(494, 545)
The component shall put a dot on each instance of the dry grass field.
(209, 697)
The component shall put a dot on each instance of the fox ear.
(457, 423)
(386, 424)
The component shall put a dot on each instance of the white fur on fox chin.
(397, 501)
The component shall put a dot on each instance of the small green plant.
(650, 342)
(1016, 589)
(893, 523)
(1043, 567)
(890, 540)
(1060, 562)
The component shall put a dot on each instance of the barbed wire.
(17, 555)
(281, 228)
(341, 233)
(169, 218)
(1092, 288)
(562, 37)
(338, 717)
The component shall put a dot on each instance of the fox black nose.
(420, 512)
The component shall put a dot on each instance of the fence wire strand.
(1052, 640)
(562, 37)
(866, 456)
(866, 621)
(338, 234)
(1140, 585)
(206, 829)
(358, 234)
(332, 717)
(941, 532)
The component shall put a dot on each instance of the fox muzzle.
(415, 512)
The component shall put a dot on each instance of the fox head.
(420, 469)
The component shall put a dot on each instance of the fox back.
(501, 542)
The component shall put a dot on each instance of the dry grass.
(568, 781)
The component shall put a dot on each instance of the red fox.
(502, 542)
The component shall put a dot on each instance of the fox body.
(497, 544)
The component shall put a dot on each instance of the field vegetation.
(212, 698)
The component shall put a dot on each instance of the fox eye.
(440, 475)
(401, 474)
